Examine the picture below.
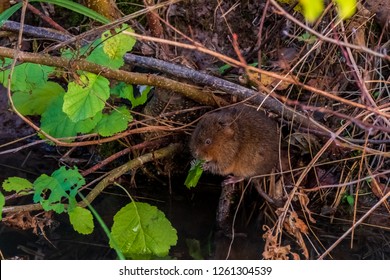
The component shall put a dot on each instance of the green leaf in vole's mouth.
(194, 173)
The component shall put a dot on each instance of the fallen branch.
(108, 180)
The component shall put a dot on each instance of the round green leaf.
(142, 231)
(85, 100)
(82, 220)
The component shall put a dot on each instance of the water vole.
(238, 141)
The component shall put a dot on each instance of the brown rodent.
(240, 141)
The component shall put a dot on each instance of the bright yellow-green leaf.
(116, 43)
(312, 9)
(86, 98)
(17, 184)
(347, 8)
(82, 220)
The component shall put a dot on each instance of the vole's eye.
(207, 141)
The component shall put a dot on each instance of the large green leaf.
(58, 124)
(17, 184)
(26, 76)
(85, 100)
(62, 184)
(36, 102)
(115, 122)
(82, 220)
(142, 231)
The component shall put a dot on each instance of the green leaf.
(2, 203)
(26, 76)
(123, 90)
(194, 174)
(48, 184)
(308, 38)
(350, 200)
(86, 100)
(82, 220)
(5, 63)
(115, 122)
(62, 184)
(97, 55)
(58, 124)
(142, 231)
(116, 44)
(347, 8)
(36, 102)
(312, 9)
(136, 101)
(17, 184)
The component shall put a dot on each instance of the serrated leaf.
(85, 100)
(36, 102)
(26, 76)
(2, 203)
(45, 184)
(347, 8)
(62, 184)
(194, 174)
(116, 43)
(82, 220)
(312, 9)
(58, 124)
(115, 122)
(17, 184)
(141, 231)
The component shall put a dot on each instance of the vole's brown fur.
(240, 141)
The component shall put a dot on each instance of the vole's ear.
(225, 121)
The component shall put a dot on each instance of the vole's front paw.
(208, 166)
(232, 180)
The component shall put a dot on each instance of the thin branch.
(108, 180)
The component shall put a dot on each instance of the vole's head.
(214, 137)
